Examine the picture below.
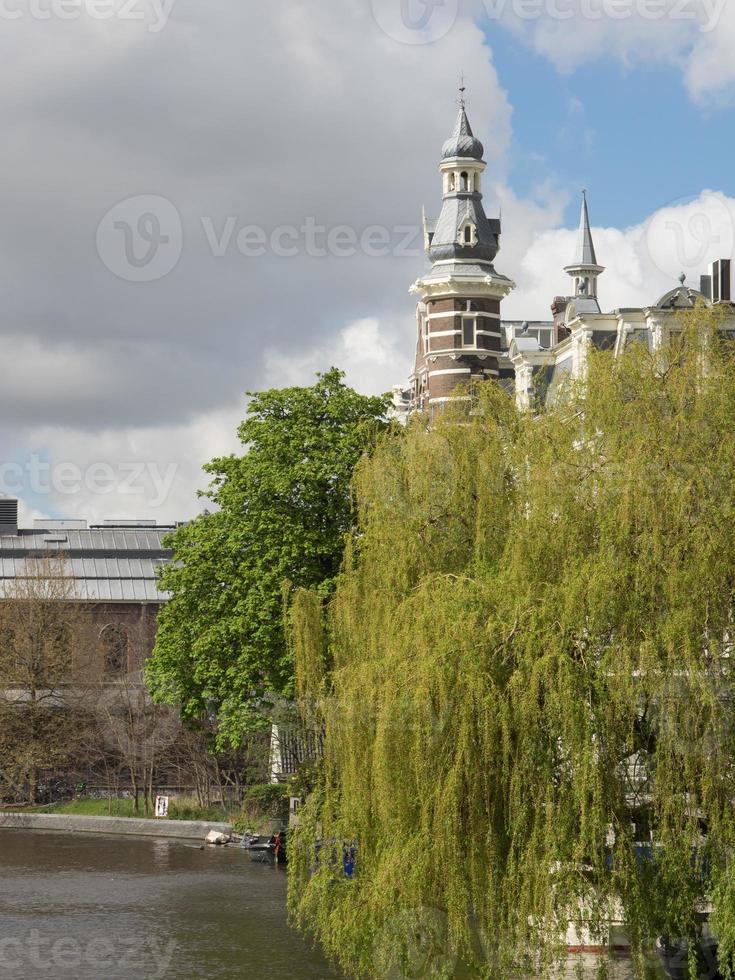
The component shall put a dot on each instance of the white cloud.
(149, 473)
(374, 356)
(710, 68)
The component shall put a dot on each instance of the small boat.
(266, 851)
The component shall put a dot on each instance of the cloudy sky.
(199, 199)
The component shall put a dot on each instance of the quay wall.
(128, 826)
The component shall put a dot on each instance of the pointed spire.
(585, 254)
(462, 142)
(584, 270)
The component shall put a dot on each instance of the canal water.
(93, 907)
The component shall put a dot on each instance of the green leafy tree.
(282, 512)
(529, 720)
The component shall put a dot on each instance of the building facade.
(110, 577)
(462, 336)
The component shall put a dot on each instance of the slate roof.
(106, 564)
(682, 298)
(462, 142)
(463, 271)
(458, 210)
(582, 306)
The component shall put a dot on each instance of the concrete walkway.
(181, 829)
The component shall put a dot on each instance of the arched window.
(115, 645)
(468, 235)
(464, 180)
(452, 182)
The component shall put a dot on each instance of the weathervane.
(462, 89)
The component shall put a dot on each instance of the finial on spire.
(462, 89)
(683, 278)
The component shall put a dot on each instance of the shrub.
(265, 801)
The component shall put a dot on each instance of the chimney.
(8, 515)
(721, 280)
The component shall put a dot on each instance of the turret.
(462, 230)
(458, 312)
(584, 270)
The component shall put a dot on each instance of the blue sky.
(632, 136)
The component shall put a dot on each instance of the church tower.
(458, 313)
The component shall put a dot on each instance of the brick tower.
(458, 313)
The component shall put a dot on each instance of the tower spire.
(585, 246)
(584, 269)
(458, 312)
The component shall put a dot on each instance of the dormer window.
(468, 234)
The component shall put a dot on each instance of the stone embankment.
(180, 829)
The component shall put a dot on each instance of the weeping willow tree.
(525, 679)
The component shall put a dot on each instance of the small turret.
(584, 270)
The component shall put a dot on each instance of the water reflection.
(90, 907)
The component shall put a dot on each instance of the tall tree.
(45, 711)
(530, 717)
(282, 511)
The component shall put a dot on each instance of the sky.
(199, 200)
